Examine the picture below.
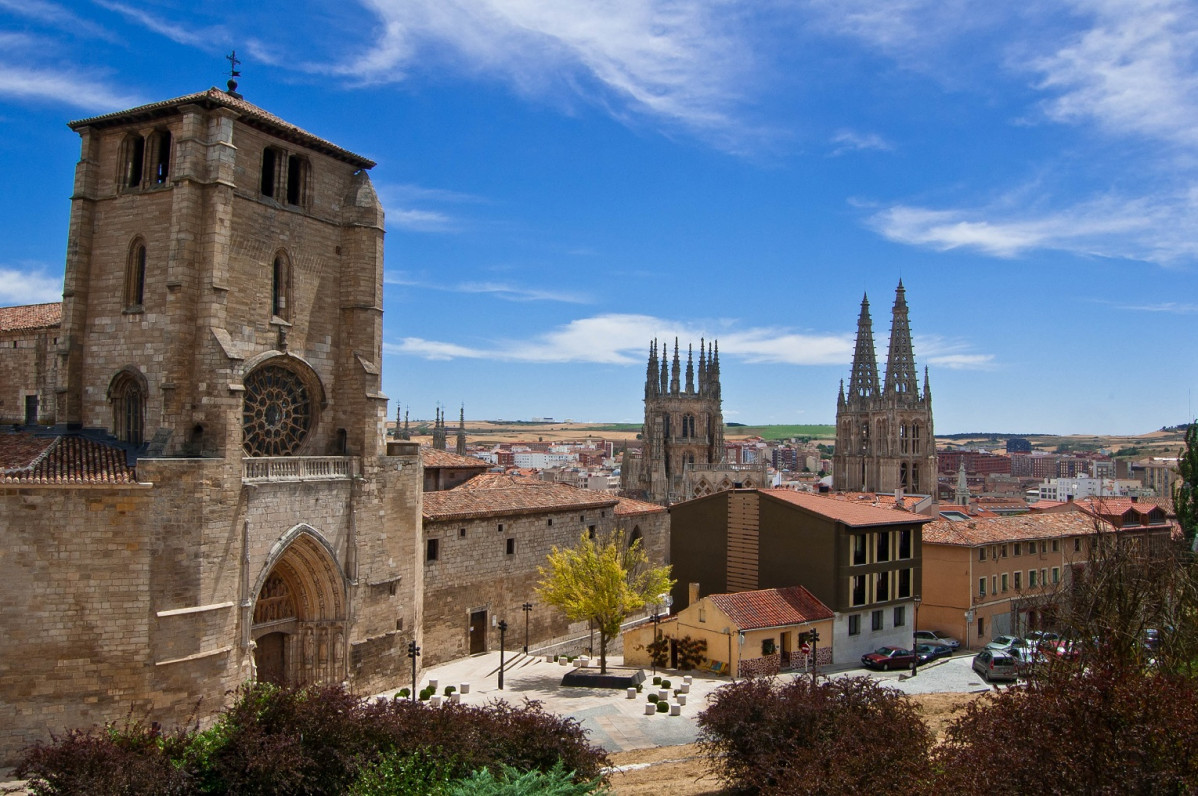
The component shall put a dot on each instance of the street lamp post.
(413, 653)
(527, 607)
(814, 638)
(915, 627)
(502, 638)
(653, 652)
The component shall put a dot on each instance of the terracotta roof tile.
(629, 506)
(30, 316)
(1008, 529)
(434, 458)
(215, 97)
(850, 513)
(793, 605)
(498, 494)
(67, 460)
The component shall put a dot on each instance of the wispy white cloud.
(1167, 307)
(621, 339)
(28, 283)
(680, 60)
(187, 35)
(1134, 71)
(67, 87)
(1153, 229)
(57, 16)
(502, 290)
(421, 220)
(851, 141)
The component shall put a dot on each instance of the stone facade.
(682, 454)
(28, 365)
(884, 436)
(221, 328)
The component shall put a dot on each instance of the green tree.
(1185, 495)
(602, 580)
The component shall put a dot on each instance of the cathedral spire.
(927, 389)
(675, 370)
(840, 399)
(665, 370)
(901, 381)
(651, 371)
(702, 366)
(460, 448)
(407, 429)
(863, 380)
(962, 494)
(690, 369)
(715, 367)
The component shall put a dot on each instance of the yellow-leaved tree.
(602, 580)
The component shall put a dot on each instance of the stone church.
(201, 492)
(884, 438)
(682, 453)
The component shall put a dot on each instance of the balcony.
(277, 469)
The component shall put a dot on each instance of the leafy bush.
(403, 693)
(691, 652)
(659, 650)
(657, 681)
(859, 737)
(1087, 725)
(128, 757)
(398, 774)
(663, 706)
(640, 687)
(426, 693)
(313, 740)
(449, 689)
(653, 698)
(510, 782)
(665, 684)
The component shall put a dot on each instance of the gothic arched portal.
(299, 619)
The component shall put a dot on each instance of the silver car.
(995, 665)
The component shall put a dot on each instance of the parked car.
(930, 652)
(1042, 638)
(936, 637)
(994, 665)
(888, 658)
(1027, 658)
(1006, 643)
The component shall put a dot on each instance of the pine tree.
(1185, 494)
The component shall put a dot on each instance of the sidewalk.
(614, 722)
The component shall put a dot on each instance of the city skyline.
(563, 185)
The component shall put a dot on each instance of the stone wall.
(28, 366)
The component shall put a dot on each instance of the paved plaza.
(617, 723)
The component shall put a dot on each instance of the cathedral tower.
(884, 438)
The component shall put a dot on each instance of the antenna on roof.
(233, 73)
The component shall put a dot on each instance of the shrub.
(510, 782)
(659, 650)
(403, 693)
(657, 681)
(691, 652)
(1086, 724)
(663, 706)
(397, 774)
(640, 687)
(425, 693)
(653, 697)
(858, 735)
(129, 757)
(665, 684)
(449, 689)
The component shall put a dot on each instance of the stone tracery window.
(278, 412)
(128, 398)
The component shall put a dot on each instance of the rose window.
(278, 412)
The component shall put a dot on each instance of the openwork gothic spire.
(863, 380)
(901, 379)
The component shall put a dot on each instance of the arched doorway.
(299, 618)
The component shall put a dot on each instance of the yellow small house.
(746, 633)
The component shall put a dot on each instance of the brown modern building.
(861, 560)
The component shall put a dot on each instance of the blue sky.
(566, 180)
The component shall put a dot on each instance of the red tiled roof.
(30, 316)
(629, 506)
(497, 494)
(250, 113)
(434, 458)
(978, 531)
(849, 513)
(750, 610)
(62, 460)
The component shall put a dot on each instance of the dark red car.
(888, 658)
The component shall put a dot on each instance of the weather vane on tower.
(233, 73)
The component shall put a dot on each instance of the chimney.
(692, 593)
